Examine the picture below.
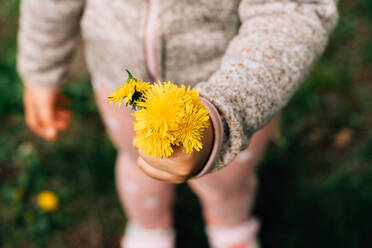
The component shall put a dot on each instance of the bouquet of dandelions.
(166, 116)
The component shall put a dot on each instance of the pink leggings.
(226, 195)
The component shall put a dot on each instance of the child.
(246, 57)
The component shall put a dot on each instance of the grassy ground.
(315, 185)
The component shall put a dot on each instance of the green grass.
(315, 188)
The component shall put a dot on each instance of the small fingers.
(61, 124)
(62, 119)
(32, 121)
(41, 111)
(63, 114)
(42, 132)
(30, 117)
(45, 116)
(158, 174)
(183, 168)
(47, 124)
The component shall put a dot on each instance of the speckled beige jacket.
(246, 57)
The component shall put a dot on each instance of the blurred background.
(315, 182)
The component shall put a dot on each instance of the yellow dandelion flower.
(170, 116)
(163, 109)
(191, 96)
(153, 144)
(48, 201)
(149, 139)
(132, 92)
(190, 132)
(119, 94)
(166, 116)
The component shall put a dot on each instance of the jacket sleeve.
(277, 44)
(48, 34)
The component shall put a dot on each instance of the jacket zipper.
(150, 40)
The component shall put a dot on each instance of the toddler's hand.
(180, 166)
(45, 111)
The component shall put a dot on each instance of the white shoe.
(138, 237)
(241, 236)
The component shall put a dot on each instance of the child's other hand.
(45, 111)
(180, 166)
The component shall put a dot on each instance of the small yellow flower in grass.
(48, 201)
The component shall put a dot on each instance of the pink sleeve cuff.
(217, 140)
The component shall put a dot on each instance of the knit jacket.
(246, 57)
